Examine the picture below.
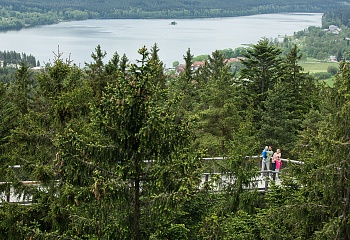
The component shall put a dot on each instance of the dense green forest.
(12, 57)
(18, 14)
(117, 148)
(339, 17)
(10, 60)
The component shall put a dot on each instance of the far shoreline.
(161, 18)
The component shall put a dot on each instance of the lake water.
(78, 39)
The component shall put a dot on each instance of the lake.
(78, 39)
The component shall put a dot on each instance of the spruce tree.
(261, 69)
(135, 168)
(325, 176)
(217, 106)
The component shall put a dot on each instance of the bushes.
(332, 70)
(322, 75)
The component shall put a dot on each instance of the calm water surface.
(78, 39)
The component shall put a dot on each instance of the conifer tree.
(217, 106)
(261, 70)
(158, 66)
(303, 88)
(23, 88)
(325, 176)
(135, 167)
(279, 122)
(293, 95)
(96, 71)
(61, 101)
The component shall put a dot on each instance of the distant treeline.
(18, 14)
(106, 7)
(337, 17)
(11, 60)
(11, 57)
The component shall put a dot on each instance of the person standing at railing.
(274, 157)
(269, 154)
(278, 165)
(264, 162)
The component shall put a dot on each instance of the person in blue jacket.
(264, 160)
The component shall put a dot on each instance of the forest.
(16, 14)
(11, 57)
(115, 150)
(337, 17)
(10, 60)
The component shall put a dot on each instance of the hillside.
(109, 6)
(16, 14)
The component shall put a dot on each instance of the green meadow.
(314, 66)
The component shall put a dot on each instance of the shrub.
(332, 70)
(322, 75)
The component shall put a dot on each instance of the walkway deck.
(261, 183)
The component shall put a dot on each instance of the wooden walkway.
(261, 182)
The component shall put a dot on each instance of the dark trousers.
(273, 169)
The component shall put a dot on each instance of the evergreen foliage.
(259, 74)
(217, 105)
(327, 161)
(116, 149)
(19, 14)
(12, 58)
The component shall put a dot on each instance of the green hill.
(109, 6)
(17, 14)
(170, 8)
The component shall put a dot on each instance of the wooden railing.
(261, 182)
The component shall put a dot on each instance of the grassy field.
(314, 66)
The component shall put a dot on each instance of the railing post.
(206, 177)
(8, 193)
(266, 183)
